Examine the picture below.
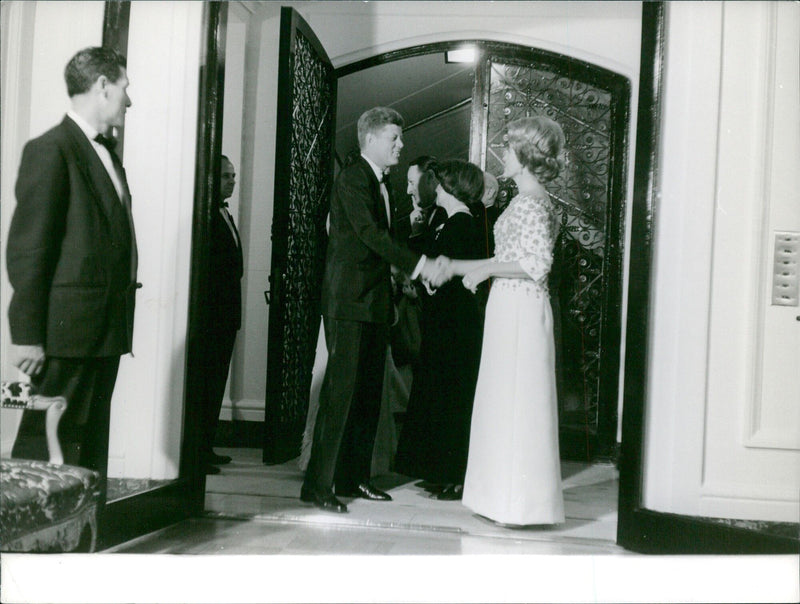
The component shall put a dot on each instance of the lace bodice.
(526, 232)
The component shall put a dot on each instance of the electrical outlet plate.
(785, 283)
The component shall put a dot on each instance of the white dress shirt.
(102, 152)
(385, 194)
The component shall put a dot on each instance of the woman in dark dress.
(434, 440)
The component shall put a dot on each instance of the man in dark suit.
(225, 314)
(426, 215)
(356, 311)
(72, 262)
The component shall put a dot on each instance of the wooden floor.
(254, 509)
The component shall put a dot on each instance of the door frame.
(638, 528)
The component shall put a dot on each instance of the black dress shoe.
(209, 469)
(217, 460)
(324, 501)
(452, 492)
(433, 488)
(366, 491)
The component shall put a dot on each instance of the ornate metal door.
(592, 105)
(303, 176)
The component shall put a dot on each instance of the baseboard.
(246, 410)
(648, 532)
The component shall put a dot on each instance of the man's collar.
(87, 128)
(375, 168)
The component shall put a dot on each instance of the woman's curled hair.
(538, 143)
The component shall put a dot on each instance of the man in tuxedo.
(225, 314)
(356, 312)
(72, 262)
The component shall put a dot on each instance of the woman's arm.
(489, 269)
(459, 268)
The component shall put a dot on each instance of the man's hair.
(89, 64)
(375, 119)
(423, 162)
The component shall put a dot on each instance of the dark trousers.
(349, 405)
(216, 365)
(87, 384)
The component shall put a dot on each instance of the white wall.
(256, 183)
(603, 33)
(34, 98)
(722, 416)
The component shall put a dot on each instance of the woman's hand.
(474, 278)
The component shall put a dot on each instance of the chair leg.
(55, 407)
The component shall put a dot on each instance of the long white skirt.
(513, 471)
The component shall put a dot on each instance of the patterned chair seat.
(47, 507)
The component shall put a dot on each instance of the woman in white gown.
(513, 469)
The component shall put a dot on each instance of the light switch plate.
(785, 284)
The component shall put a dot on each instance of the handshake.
(437, 271)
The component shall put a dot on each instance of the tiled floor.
(254, 509)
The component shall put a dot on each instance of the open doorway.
(459, 110)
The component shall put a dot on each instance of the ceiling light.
(460, 55)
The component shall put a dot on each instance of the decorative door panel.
(303, 176)
(591, 105)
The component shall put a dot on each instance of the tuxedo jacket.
(357, 281)
(226, 269)
(423, 235)
(71, 251)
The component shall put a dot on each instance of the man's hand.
(437, 272)
(28, 358)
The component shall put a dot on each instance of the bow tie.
(108, 142)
